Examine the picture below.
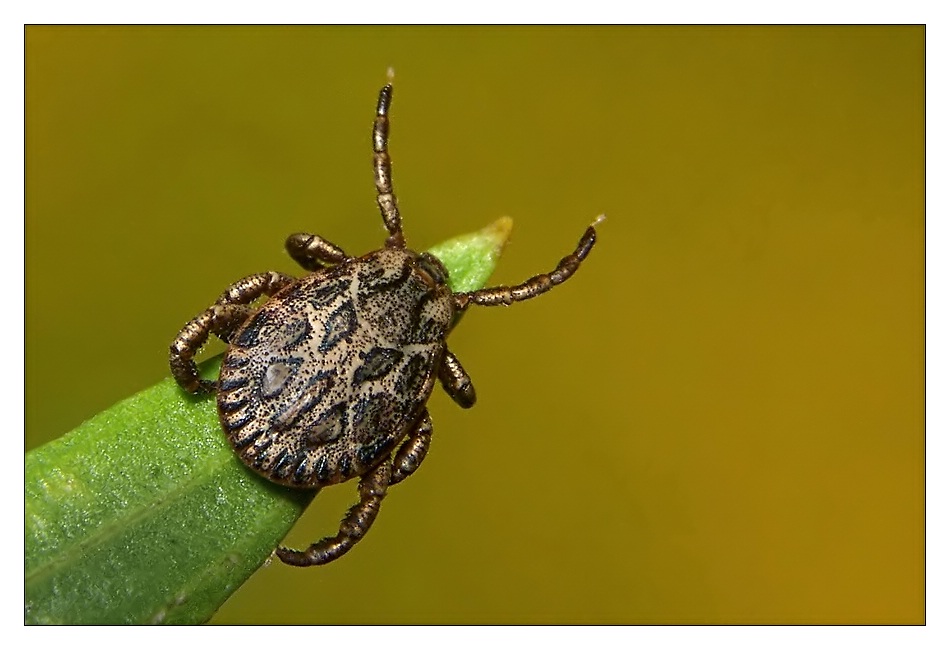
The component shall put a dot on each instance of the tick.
(328, 379)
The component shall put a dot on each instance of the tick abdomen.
(331, 373)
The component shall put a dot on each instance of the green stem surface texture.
(143, 514)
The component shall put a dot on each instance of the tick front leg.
(354, 525)
(538, 284)
(383, 170)
(456, 381)
(413, 451)
(221, 319)
(313, 252)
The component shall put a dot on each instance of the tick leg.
(247, 290)
(538, 284)
(383, 171)
(221, 319)
(413, 451)
(354, 525)
(456, 381)
(313, 252)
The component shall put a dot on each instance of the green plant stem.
(143, 514)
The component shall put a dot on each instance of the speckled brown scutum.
(321, 384)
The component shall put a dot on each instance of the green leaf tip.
(470, 259)
(143, 514)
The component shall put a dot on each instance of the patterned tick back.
(326, 378)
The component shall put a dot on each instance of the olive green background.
(719, 419)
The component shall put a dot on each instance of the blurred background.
(719, 419)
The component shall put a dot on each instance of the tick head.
(430, 266)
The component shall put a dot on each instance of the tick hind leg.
(313, 252)
(373, 486)
(413, 451)
(355, 524)
(221, 319)
(538, 284)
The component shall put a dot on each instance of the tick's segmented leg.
(354, 525)
(413, 451)
(247, 290)
(221, 319)
(456, 381)
(313, 252)
(383, 172)
(533, 286)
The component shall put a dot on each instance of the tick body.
(328, 379)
